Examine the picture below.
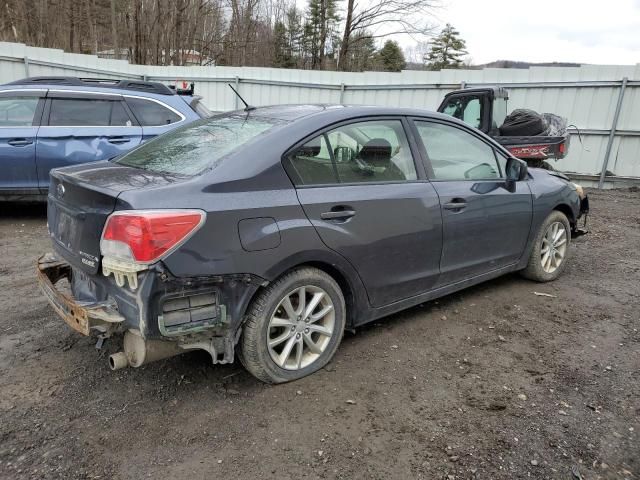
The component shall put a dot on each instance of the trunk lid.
(80, 200)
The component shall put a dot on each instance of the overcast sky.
(587, 31)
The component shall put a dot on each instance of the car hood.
(543, 172)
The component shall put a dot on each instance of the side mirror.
(516, 170)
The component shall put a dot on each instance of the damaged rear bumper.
(190, 313)
(82, 317)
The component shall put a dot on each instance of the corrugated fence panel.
(586, 96)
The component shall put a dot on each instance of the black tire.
(535, 270)
(254, 352)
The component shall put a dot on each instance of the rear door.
(80, 128)
(485, 224)
(359, 186)
(20, 113)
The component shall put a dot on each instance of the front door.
(18, 131)
(485, 224)
(359, 186)
(81, 129)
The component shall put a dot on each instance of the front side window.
(364, 152)
(455, 154)
(17, 111)
(195, 147)
(75, 112)
(152, 114)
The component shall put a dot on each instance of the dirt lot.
(494, 382)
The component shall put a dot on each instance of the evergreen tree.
(447, 50)
(293, 27)
(361, 54)
(391, 57)
(282, 57)
(322, 21)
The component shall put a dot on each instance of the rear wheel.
(548, 256)
(293, 327)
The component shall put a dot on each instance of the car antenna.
(247, 107)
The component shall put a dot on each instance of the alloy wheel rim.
(301, 327)
(554, 247)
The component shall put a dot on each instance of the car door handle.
(118, 140)
(456, 204)
(19, 142)
(337, 215)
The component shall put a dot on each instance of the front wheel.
(293, 327)
(548, 256)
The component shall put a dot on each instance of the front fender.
(549, 192)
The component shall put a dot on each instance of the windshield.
(191, 149)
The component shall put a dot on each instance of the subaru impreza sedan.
(266, 233)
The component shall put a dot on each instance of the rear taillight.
(146, 236)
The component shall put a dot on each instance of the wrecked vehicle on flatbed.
(265, 233)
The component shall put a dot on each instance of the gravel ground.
(493, 382)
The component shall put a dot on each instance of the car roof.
(117, 87)
(335, 112)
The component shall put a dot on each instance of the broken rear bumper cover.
(194, 313)
(81, 317)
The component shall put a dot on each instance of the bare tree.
(383, 18)
(221, 32)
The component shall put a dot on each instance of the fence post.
(341, 93)
(612, 132)
(26, 66)
(237, 90)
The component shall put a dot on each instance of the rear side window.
(17, 111)
(375, 151)
(195, 147)
(313, 164)
(152, 114)
(68, 112)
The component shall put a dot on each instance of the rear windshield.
(200, 108)
(194, 148)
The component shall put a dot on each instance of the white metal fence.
(602, 101)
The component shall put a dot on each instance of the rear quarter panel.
(216, 249)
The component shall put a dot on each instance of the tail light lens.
(562, 148)
(146, 236)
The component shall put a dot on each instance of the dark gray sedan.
(265, 233)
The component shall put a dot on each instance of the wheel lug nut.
(297, 335)
(306, 330)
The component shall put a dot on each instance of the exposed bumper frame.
(81, 317)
